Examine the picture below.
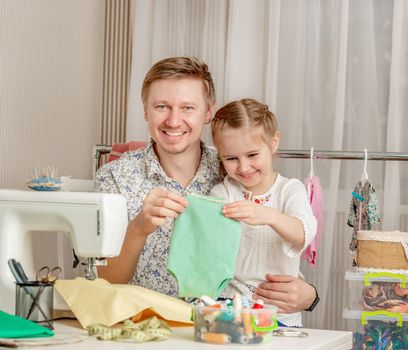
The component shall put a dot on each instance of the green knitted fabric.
(16, 327)
(203, 249)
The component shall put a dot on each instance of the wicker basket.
(384, 250)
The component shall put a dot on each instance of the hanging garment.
(364, 212)
(204, 247)
(315, 194)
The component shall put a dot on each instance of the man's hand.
(288, 293)
(158, 205)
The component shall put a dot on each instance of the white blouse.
(262, 250)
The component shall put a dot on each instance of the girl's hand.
(249, 212)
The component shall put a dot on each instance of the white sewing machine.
(95, 222)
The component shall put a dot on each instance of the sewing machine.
(95, 222)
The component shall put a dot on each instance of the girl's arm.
(290, 228)
(291, 216)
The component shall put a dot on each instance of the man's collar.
(206, 158)
(154, 167)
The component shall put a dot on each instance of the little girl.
(276, 217)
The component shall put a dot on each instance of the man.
(178, 96)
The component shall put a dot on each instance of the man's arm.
(121, 269)
(158, 205)
(288, 293)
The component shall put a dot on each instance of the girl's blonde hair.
(245, 113)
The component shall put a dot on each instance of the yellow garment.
(100, 302)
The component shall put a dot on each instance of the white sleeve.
(295, 203)
(219, 190)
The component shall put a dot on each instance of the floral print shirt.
(133, 176)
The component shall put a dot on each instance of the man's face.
(176, 112)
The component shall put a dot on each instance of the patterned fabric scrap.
(364, 211)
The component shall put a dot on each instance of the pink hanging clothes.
(315, 194)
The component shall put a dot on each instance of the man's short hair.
(179, 68)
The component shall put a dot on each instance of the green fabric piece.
(16, 327)
(204, 247)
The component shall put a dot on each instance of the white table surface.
(182, 339)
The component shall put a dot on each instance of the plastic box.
(371, 291)
(381, 330)
(229, 325)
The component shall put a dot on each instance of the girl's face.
(247, 157)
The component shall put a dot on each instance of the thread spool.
(258, 304)
(210, 318)
(246, 319)
(243, 339)
(216, 338)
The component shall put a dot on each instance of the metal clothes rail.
(99, 150)
(346, 155)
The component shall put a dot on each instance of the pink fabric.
(316, 202)
(119, 148)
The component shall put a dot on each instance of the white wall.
(51, 70)
(51, 65)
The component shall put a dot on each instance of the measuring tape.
(140, 332)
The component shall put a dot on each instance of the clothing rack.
(99, 150)
(345, 155)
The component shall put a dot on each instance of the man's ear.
(210, 113)
(275, 142)
(145, 113)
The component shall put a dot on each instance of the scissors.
(48, 275)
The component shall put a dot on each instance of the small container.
(371, 291)
(381, 330)
(228, 325)
(35, 302)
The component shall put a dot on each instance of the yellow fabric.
(147, 313)
(100, 302)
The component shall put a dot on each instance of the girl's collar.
(260, 198)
